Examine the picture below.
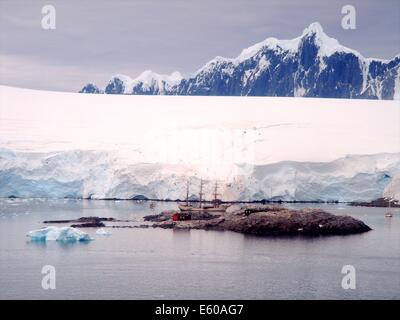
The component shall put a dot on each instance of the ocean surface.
(167, 264)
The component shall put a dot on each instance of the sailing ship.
(389, 214)
(216, 206)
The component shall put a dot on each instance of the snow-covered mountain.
(312, 65)
(100, 175)
(148, 82)
(91, 88)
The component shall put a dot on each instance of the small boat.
(389, 214)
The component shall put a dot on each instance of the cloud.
(93, 42)
(23, 72)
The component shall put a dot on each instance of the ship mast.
(389, 197)
(216, 194)
(187, 193)
(201, 191)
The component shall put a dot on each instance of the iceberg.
(103, 232)
(63, 234)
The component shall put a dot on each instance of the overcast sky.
(95, 39)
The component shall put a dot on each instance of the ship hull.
(193, 209)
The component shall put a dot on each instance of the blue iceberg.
(63, 234)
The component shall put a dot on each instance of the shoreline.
(373, 203)
(191, 201)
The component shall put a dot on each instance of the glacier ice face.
(99, 175)
(63, 234)
(392, 190)
(345, 179)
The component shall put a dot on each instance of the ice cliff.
(100, 175)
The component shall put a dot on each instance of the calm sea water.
(196, 264)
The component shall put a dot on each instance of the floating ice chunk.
(233, 208)
(103, 232)
(64, 234)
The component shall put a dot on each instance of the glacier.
(311, 65)
(63, 234)
(70, 145)
(99, 175)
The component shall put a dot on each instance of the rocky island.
(265, 220)
(378, 203)
(85, 222)
(262, 220)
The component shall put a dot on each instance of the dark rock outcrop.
(88, 225)
(163, 216)
(91, 88)
(272, 220)
(85, 222)
(380, 202)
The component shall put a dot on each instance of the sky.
(95, 39)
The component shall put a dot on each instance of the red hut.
(181, 216)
